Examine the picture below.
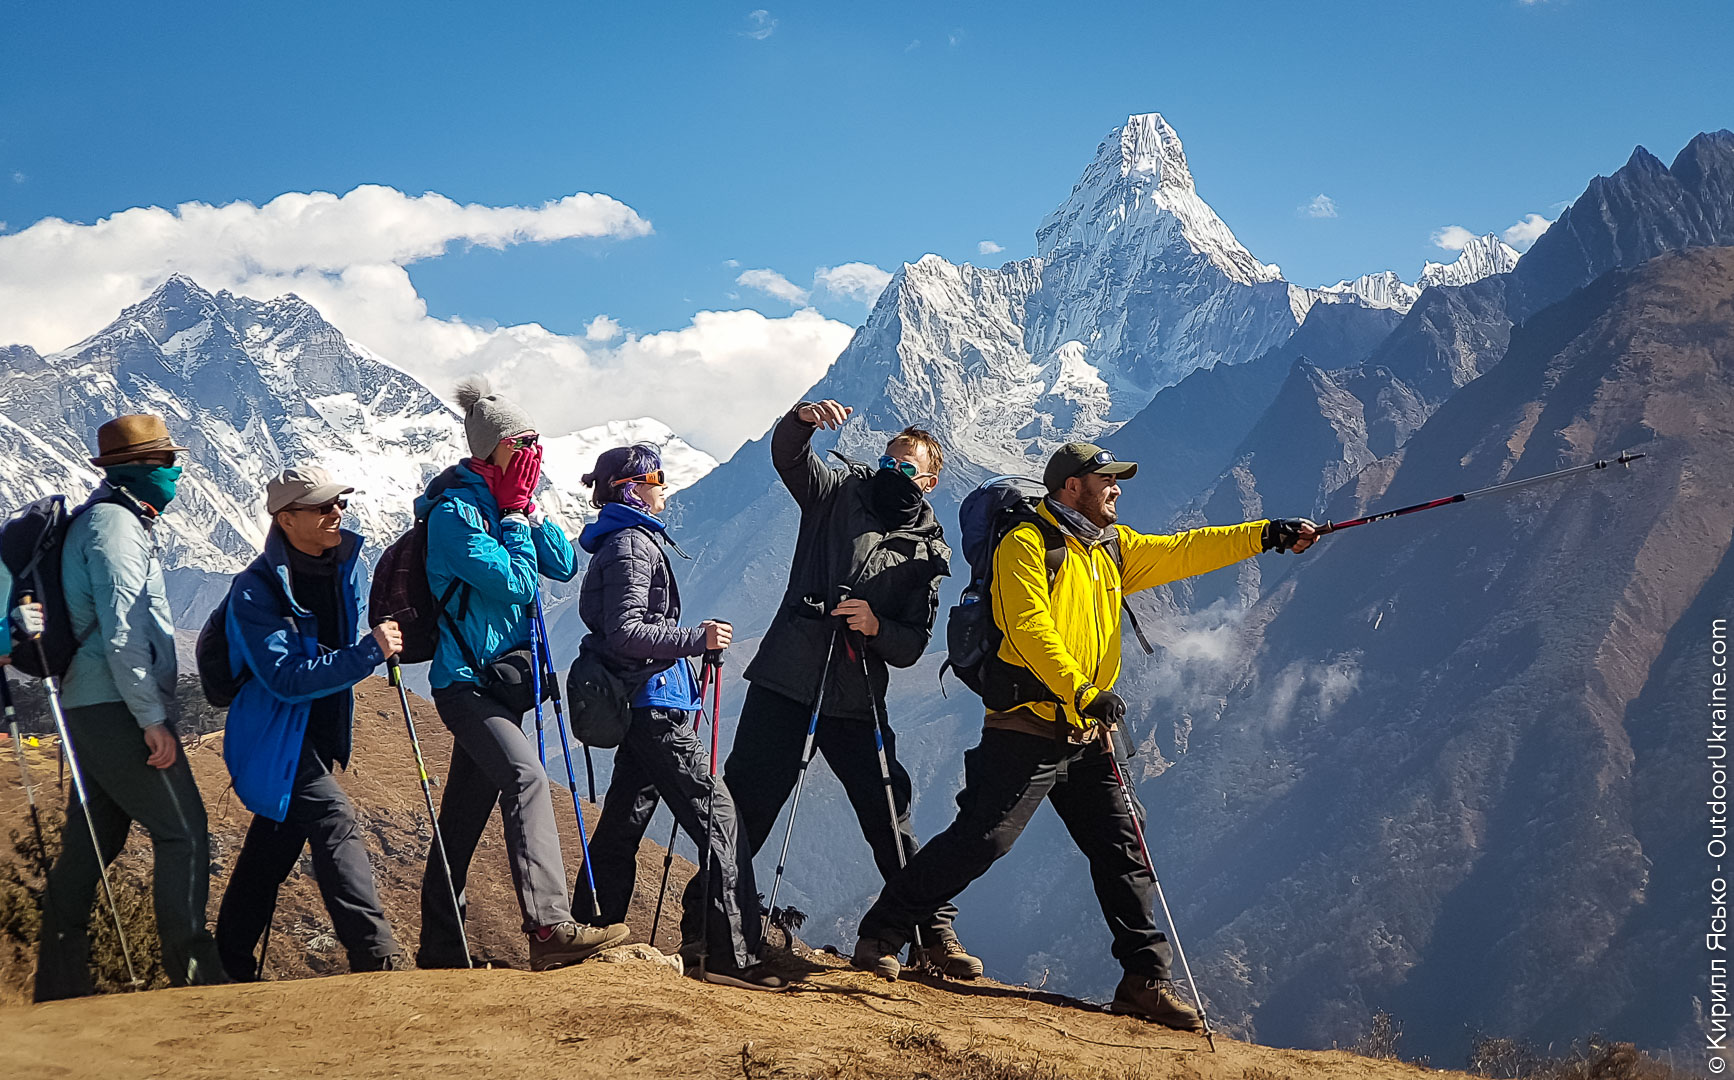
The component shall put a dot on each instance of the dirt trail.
(630, 1019)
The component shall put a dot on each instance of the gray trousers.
(320, 815)
(111, 752)
(662, 758)
(492, 763)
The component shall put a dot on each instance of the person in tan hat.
(117, 693)
(294, 627)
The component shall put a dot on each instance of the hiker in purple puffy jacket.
(631, 605)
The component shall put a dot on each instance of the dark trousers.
(1006, 778)
(111, 752)
(766, 759)
(662, 758)
(319, 814)
(493, 763)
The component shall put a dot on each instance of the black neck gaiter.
(895, 498)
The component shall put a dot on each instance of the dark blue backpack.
(972, 638)
(31, 545)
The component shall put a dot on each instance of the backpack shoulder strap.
(1113, 546)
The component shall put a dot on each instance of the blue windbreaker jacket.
(502, 562)
(277, 640)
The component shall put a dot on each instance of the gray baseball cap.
(302, 485)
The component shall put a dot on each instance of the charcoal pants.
(662, 758)
(766, 759)
(110, 749)
(320, 815)
(1006, 777)
(492, 763)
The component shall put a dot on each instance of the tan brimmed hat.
(302, 485)
(127, 438)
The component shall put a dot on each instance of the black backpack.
(972, 637)
(31, 545)
(400, 587)
(217, 679)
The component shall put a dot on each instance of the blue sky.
(814, 135)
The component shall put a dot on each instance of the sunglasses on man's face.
(654, 478)
(524, 442)
(907, 468)
(323, 508)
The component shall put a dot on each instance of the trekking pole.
(396, 670)
(880, 723)
(536, 693)
(801, 777)
(70, 759)
(673, 833)
(1150, 865)
(541, 645)
(1625, 459)
(713, 664)
(554, 692)
(23, 768)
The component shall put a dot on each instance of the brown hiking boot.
(879, 957)
(948, 957)
(569, 943)
(1156, 1000)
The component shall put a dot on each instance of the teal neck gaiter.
(153, 485)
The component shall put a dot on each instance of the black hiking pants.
(1006, 777)
(766, 760)
(111, 752)
(320, 815)
(493, 764)
(662, 758)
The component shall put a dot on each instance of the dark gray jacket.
(628, 599)
(842, 542)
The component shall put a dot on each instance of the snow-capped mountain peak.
(1139, 192)
(1481, 257)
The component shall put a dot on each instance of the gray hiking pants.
(110, 750)
(492, 763)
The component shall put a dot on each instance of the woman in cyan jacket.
(293, 620)
(631, 605)
(487, 550)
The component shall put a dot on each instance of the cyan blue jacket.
(502, 560)
(631, 605)
(277, 641)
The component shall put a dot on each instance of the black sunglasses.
(323, 508)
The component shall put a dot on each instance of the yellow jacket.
(1069, 636)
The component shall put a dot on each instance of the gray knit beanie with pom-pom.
(488, 417)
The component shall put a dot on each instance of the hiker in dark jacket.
(294, 616)
(872, 532)
(117, 694)
(631, 605)
(485, 535)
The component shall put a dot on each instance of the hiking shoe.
(390, 962)
(570, 943)
(879, 957)
(948, 957)
(1155, 1000)
(757, 977)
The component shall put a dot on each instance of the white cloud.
(912, 46)
(19, 178)
(601, 328)
(773, 284)
(1525, 232)
(1321, 206)
(853, 281)
(1452, 237)
(954, 38)
(760, 25)
(988, 247)
(718, 381)
(731, 263)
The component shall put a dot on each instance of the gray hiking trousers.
(493, 764)
(111, 752)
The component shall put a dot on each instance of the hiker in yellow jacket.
(1058, 663)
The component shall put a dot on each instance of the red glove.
(513, 485)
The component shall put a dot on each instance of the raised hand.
(827, 414)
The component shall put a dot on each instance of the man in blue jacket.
(293, 619)
(487, 550)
